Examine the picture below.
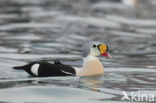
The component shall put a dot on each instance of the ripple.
(90, 20)
(132, 21)
(35, 56)
(28, 25)
(130, 70)
(129, 34)
(50, 94)
(23, 37)
(108, 5)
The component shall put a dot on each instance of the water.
(57, 29)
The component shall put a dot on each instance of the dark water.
(57, 29)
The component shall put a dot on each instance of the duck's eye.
(94, 45)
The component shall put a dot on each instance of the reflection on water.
(57, 29)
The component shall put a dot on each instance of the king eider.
(91, 64)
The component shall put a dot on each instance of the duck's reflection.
(92, 83)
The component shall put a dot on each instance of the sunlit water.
(33, 30)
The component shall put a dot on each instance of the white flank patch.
(66, 72)
(34, 69)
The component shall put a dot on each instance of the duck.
(91, 64)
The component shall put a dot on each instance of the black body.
(47, 69)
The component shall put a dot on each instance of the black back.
(48, 69)
(59, 69)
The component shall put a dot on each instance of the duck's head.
(95, 49)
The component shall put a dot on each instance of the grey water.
(32, 30)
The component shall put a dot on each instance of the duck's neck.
(91, 66)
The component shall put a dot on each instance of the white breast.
(34, 69)
(91, 66)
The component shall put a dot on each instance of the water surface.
(57, 29)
